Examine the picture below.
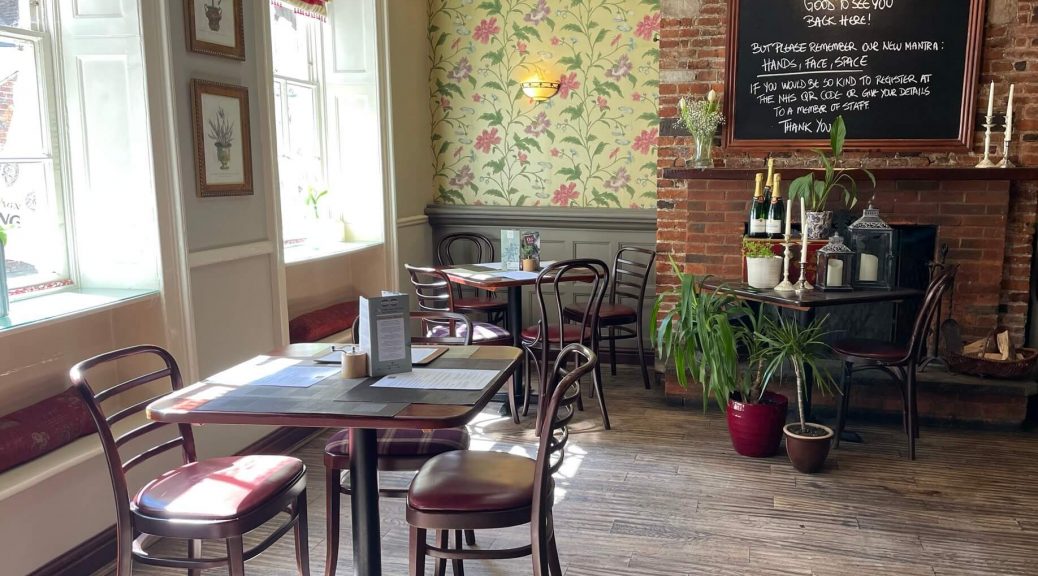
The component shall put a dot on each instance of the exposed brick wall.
(988, 226)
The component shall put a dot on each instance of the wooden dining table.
(337, 402)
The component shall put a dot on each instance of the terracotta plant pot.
(530, 264)
(756, 429)
(808, 452)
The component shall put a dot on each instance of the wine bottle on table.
(758, 223)
(776, 210)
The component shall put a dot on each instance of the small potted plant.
(221, 132)
(701, 117)
(530, 251)
(214, 13)
(763, 267)
(788, 343)
(815, 193)
(704, 334)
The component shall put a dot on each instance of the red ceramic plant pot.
(756, 429)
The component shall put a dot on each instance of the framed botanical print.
(215, 27)
(223, 151)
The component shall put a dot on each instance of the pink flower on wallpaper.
(477, 203)
(445, 103)
(461, 70)
(555, 41)
(454, 44)
(476, 97)
(462, 178)
(634, 206)
(619, 180)
(565, 194)
(646, 140)
(637, 96)
(616, 40)
(487, 140)
(621, 69)
(539, 126)
(614, 153)
(648, 25)
(568, 83)
(485, 30)
(520, 46)
(554, 152)
(538, 14)
(602, 103)
(523, 158)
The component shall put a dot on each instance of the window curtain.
(312, 8)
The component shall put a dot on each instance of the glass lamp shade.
(873, 241)
(540, 91)
(835, 263)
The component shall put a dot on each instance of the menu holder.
(385, 333)
(510, 249)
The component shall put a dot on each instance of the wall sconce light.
(539, 90)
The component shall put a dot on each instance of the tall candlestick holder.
(785, 285)
(986, 162)
(1006, 162)
(802, 284)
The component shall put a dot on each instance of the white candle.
(991, 99)
(803, 232)
(1009, 113)
(789, 218)
(868, 270)
(834, 273)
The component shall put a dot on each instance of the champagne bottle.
(762, 207)
(757, 224)
(776, 211)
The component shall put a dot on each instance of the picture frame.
(215, 27)
(223, 148)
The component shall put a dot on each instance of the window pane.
(304, 139)
(30, 213)
(21, 118)
(17, 14)
(291, 41)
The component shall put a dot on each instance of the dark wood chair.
(900, 361)
(434, 294)
(552, 333)
(218, 498)
(631, 269)
(472, 490)
(471, 248)
(398, 450)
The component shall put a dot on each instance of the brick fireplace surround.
(988, 225)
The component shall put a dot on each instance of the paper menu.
(510, 249)
(267, 371)
(384, 336)
(430, 379)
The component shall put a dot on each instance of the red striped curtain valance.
(312, 8)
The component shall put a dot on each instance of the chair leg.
(596, 377)
(527, 382)
(443, 543)
(332, 498)
(913, 411)
(194, 550)
(845, 400)
(512, 405)
(470, 537)
(302, 535)
(612, 351)
(641, 356)
(554, 566)
(458, 566)
(236, 556)
(416, 551)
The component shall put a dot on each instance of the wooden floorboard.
(664, 494)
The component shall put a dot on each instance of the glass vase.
(704, 150)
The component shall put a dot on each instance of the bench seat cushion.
(319, 324)
(43, 427)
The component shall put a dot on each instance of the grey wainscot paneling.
(565, 233)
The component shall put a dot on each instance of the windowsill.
(302, 253)
(65, 304)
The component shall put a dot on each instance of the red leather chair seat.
(608, 314)
(870, 350)
(217, 488)
(481, 332)
(405, 443)
(571, 333)
(469, 481)
(313, 326)
(480, 303)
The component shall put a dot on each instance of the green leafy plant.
(784, 341)
(313, 199)
(221, 129)
(816, 192)
(756, 249)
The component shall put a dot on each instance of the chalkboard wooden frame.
(964, 142)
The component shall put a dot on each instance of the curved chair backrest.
(631, 269)
(432, 289)
(453, 334)
(934, 292)
(548, 289)
(564, 390)
(117, 467)
(476, 248)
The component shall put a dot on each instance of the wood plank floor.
(664, 494)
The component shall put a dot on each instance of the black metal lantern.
(873, 241)
(835, 264)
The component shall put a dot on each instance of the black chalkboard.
(902, 73)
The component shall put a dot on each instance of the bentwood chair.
(434, 294)
(631, 269)
(398, 450)
(472, 490)
(897, 360)
(552, 333)
(218, 498)
(471, 248)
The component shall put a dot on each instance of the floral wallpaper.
(593, 144)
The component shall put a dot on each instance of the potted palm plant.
(815, 193)
(786, 342)
(704, 334)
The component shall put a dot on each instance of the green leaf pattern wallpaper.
(592, 145)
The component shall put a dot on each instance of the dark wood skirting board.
(883, 174)
(98, 551)
(542, 217)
